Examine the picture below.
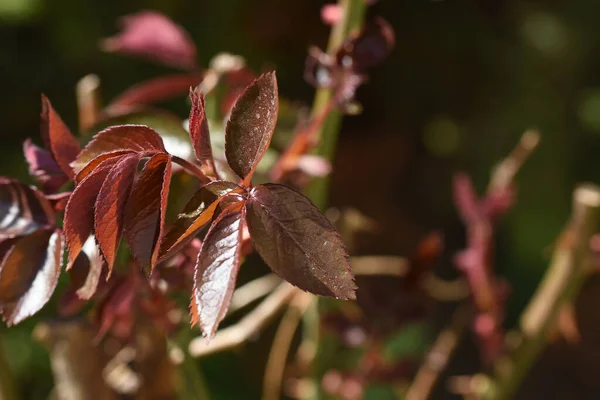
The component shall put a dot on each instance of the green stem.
(560, 286)
(351, 21)
(318, 191)
(7, 383)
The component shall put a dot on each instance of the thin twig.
(280, 348)
(504, 173)
(247, 327)
(439, 355)
(560, 285)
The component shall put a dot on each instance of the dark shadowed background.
(465, 80)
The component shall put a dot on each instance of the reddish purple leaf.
(23, 209)
(145, 211)
(87, 269)
(298, 242)
(216, 271)
(196, 214)
(153, 36)
(198, 125)
(43, 167)
(110, 205)
(116, 141)
(79, 213)
(29, 273)
(251, 125)
(57, 138)
(155, 90)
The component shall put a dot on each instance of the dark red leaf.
(251, 125)
(153, 36)
(196, 214)
(23, 209)
(86, 270)
(216, 271)
(79, 213)
(198, 125)
(43, 167)
(58, 201)
(298, 242)
(116, 141)
(110, 205)
(29, 273)
(57, 138)
(145, 210)
(155, 90)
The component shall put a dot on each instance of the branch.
(234, 336)
(280, 348)
(568, 268)
(439, 355)
(252, 291)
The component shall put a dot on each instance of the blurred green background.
(465, 80)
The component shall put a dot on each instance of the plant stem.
(351, 21)
(560, 286)
(318, 191)
(7, 383)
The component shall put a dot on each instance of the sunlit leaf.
(145, 211)
(29, 273)
(87, 269)
(251, 125)
(216, 271)
(197, 213)
(170, 128)
(79, 213)
(57, 138)
(198, 125)
(116, 141)
(110, 204)
(23, 209)
(298, 242)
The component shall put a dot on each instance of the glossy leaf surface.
(251, 125)
(23, 209)
(216, 271)
(198, 125)
(29, 273)
(197, 213)
(298, 242)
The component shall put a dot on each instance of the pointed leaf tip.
(58, 138)
(198, 125)
(298, 242)
(145, 211)
(250, 127)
